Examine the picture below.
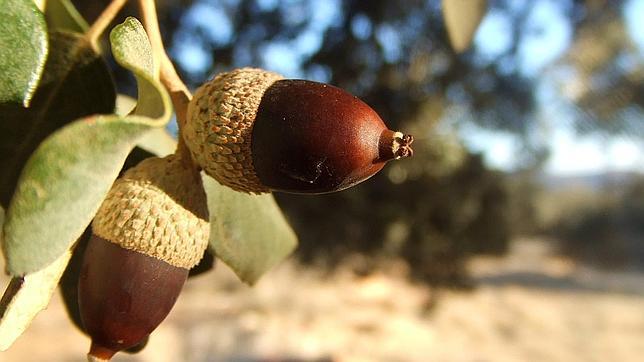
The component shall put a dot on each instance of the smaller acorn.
(151, 229)
(254, 131)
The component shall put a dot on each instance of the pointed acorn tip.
(394, 146)
(402, 145)
(98, 353)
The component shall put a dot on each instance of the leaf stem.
(102, 22)
(165, 71)
(151, 25)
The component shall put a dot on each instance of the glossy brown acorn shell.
(124, 295)
(311, 137)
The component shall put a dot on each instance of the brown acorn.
(150, 230)
(256, 132)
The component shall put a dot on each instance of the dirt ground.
(529, 306)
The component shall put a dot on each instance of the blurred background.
(516, 232)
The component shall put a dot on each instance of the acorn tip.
(402, 145)
(98, 353)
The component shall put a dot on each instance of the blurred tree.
(606, 84)
(609, 233)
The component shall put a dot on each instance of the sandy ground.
(529, 306)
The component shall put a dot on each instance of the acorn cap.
(220, 125)
(157, 208)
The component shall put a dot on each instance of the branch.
(164, 69)
(97, 29)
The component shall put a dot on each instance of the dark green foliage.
(610, 234)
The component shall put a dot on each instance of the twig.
(179, 93)
(164, 69)
(98, 27)
(151, 25)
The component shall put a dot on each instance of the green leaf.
(25, 297)
(159, 142)
(131, 48)
(76, 83)
(62, 15)
(247, 232)
(124, 104)
(68, 176)
(462, 18)
(23, 50)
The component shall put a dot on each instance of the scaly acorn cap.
(157, 208)
(220, 125)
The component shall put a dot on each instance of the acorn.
(151, 229)
(254, 131)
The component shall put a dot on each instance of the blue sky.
(570, 153)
